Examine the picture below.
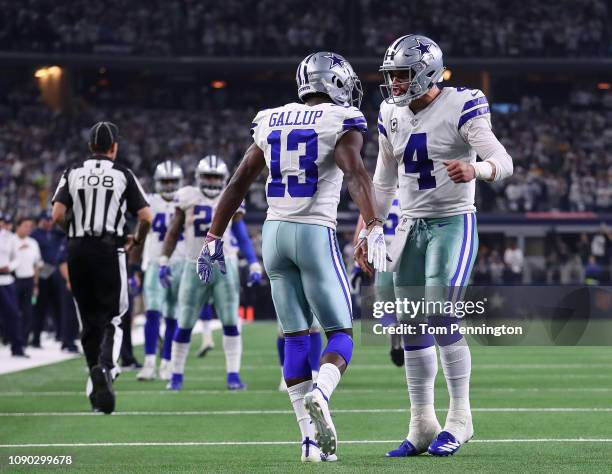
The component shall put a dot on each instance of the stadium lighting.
(604, 86)
(447, 74)
(47, 71)
(218, 84)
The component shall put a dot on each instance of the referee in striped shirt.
(90, 203)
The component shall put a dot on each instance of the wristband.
(374, 219)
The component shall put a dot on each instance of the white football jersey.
(163, 213)
(298, 142)
(419, 143)
(199, 212)
(392, 219)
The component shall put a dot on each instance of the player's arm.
(348, 158)
(172, 235)
(249, 169)
(385, 178)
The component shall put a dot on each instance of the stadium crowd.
(272, 28)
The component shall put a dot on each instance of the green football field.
(534, 409)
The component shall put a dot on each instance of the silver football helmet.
(331, 74)
(211, 175)
(421, 58)
(168, 179)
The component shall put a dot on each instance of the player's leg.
(170, 309)
(154, 295)
(192, 294)
(327, 291)
(280, 348)
(206, 317)
(316, 347)
(450, 257)
(226, 298)
(420, 359)
(383, 291)
(293, 313)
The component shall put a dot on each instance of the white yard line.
(281, 443)
(287, 412)
(347, 391)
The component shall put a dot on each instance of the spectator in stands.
(514, 260)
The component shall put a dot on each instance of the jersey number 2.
(417, 144)
(276, 187)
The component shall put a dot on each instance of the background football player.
(307, 147)
(159, 299)
(428, 142)
(196, 206)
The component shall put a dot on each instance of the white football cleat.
(325, 431)
(310, 451)
(165, 370)
(146, 373)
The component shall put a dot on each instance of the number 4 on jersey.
(417, 144)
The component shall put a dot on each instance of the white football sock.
(179, 356)
(315, 375)
(232, 347)
(296, 395)
(421, 369)
(327, 381)
(149, 360)
(206, 333)
(457, 366)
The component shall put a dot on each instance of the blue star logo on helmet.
(421, 47)
(335, 60)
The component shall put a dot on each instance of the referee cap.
(102, 136)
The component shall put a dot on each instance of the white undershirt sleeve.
(483, 141)
(385, 177)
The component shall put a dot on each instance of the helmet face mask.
(168, 179)
(330, 74)
(419, 59)
(211, 175)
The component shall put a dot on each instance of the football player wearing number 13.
(195, 207)
(308, 147)
(428, 142)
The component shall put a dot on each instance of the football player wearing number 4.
(195, 207)
(308, 147)
(428, 142)
(159, 299)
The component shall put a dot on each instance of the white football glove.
(377, 248)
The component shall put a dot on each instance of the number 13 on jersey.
(307, 162)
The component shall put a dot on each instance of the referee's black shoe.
(104, 398)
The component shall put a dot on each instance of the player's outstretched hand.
(211, 253)
(255, 274)
(377, 249)
(459, 171)
(361, 255)
(165, 276)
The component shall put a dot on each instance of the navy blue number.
(391, 224)
(276, 188)
(159, 225)
(200, 225)
(417, 143)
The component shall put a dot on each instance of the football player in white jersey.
(195, 208)
(160, 300)
(308, 147)
(383, 281)
(428, 142)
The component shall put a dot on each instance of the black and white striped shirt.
(99, 192)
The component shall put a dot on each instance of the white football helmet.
(168, 179)
(211, 175)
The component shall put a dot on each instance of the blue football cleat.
(176, 382)
(234, 382)
(444, 444)
(405, 450)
